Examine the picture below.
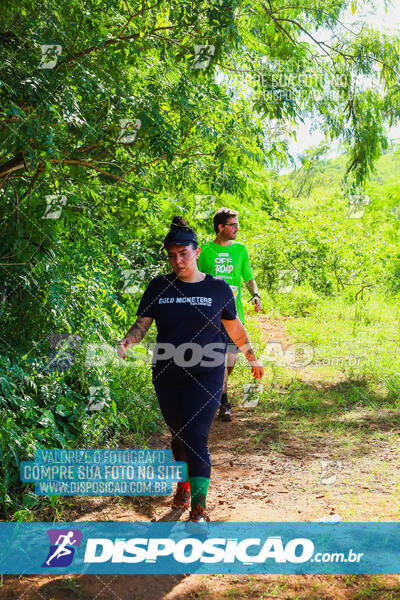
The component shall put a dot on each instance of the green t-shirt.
(227, 262)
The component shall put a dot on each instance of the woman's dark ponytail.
(178, 221)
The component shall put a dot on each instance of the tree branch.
(89, 165)
(135, 15)
(125, 38)
(14, 164)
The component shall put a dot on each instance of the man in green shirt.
(229, 260)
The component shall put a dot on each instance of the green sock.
(198, 490)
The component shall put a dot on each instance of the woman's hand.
(257, 369)
(238, 334)
(123, 346)
(135, 335)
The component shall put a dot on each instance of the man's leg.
(225, 407)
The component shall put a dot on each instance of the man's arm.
(249, 280)
(238, 335)
(252, 287)
(134, 335)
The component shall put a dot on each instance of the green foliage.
(337, 240)
(83, 201)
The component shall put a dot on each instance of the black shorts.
(231, 346)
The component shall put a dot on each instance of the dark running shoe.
(225, 412)
(182, 497)
(198, 515)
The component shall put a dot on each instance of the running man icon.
(61, 553)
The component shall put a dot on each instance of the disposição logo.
(62, 547)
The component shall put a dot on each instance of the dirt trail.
(263, 470)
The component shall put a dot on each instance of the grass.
(368, 330)
(70, 585)
(343, 412)
(351, 405)
(349, 414)
(307, 587)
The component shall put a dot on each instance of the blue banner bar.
(182, 547)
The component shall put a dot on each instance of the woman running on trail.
(188, 307)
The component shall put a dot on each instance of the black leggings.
(189, 399)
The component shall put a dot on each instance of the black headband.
(181, 235)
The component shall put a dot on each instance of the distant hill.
(327, 174)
